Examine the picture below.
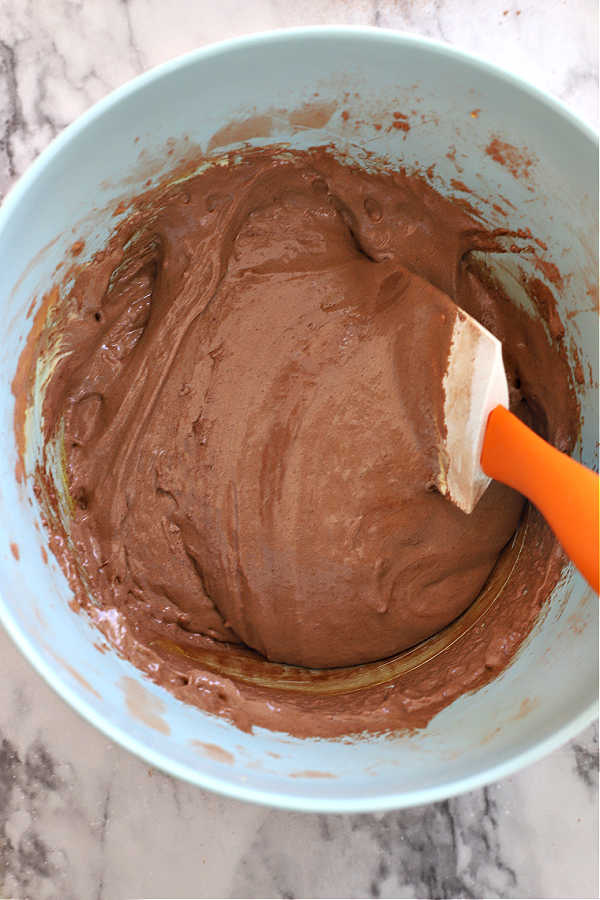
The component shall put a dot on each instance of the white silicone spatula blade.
(474, 384)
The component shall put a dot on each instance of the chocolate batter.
(250, 398)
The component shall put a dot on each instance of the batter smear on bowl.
(248, 402)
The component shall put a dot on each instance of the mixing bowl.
(485, 132)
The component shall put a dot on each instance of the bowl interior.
(305, 88)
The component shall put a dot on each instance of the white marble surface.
(81, 818)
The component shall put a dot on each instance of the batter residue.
(251, 401)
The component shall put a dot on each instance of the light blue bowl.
(549, 692)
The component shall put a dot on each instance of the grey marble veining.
(60, 56)
(81, 818)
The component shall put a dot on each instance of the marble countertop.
(79, 816)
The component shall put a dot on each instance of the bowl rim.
(222, 785)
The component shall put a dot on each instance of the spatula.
(484, 440)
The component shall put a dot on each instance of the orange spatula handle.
(565, 492)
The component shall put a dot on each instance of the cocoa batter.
(251, 401)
